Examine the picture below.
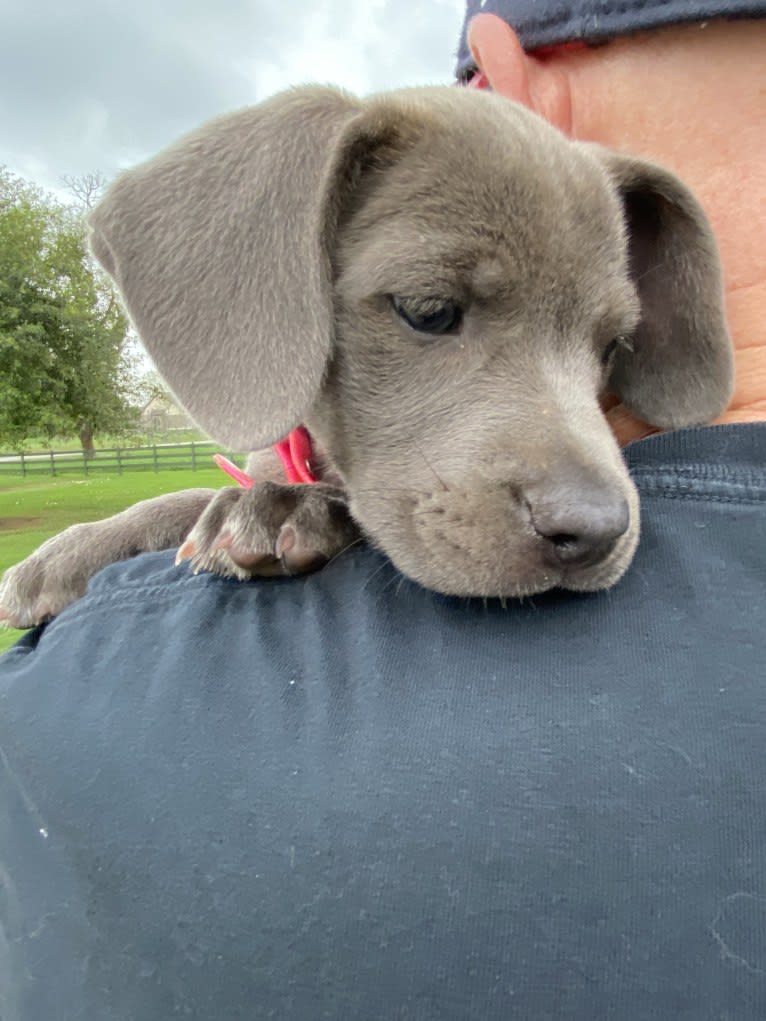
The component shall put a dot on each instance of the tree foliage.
(62, 330)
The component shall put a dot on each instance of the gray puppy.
(439, 286)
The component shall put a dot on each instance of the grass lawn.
(32, 510)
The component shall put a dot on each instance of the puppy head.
(440, 286)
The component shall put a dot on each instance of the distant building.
(161, 414)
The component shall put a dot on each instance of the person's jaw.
(688, 97)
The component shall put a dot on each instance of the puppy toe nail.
(224, 541)
(286, 540)
(186, 551)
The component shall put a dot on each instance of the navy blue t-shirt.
(343, 796)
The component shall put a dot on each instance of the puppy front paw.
(269, 530)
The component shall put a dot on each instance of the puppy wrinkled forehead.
(489, 191)
(485, 146)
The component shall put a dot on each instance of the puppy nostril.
(594, 528)
(561, 539)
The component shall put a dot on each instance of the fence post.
(119, 460)
(156, 464)
(84, 462)
(53, 464)
(23, 466)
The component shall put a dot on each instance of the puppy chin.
(484, 587)
(482, 581)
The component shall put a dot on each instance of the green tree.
(62, 331)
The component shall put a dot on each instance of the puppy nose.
(581, 527)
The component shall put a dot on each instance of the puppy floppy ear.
(220, 247)
(680, 371)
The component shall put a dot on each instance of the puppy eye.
(428, 315)
(610, 350)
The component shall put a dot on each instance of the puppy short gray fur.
(287, 263)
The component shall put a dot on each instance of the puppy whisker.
(376, 572)
(395, 579)
(355, 542)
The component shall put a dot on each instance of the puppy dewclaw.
(437, 286)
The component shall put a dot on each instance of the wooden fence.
(115, 460)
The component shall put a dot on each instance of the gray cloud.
(90, 86)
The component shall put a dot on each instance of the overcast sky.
(96, 85)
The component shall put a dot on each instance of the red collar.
(295, 452)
